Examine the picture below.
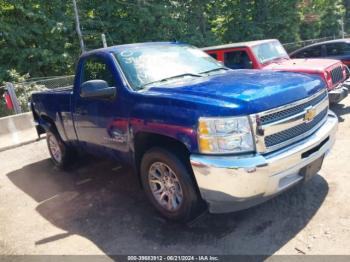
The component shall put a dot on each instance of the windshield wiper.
(171, 77)
(215, 69)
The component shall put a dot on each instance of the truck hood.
(248, 91)
(312, 65)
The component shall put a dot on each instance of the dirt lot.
(99, 209)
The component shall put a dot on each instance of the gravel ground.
(98, 208)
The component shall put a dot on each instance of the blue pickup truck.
(197, 134)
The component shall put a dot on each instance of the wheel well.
(40, 129)
(50, 123)
(145, 141)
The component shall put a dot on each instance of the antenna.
(77, 26)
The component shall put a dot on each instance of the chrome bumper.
(346, 83)
(230, 183)
(339, 93)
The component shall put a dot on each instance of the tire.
(61, 154)
(175, 197)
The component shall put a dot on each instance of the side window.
(315, 51)
(299, 54)
(237, 60)
(214, 55)
(96, 68)
(346, 49)
(333, 49)
(336, 49)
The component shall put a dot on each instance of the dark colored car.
(335, 49)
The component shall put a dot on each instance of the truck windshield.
(269, 51)
(151, 64)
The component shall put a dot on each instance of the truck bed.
(66, 89)
(55, 104)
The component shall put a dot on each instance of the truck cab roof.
(120, 48)
(240, 44)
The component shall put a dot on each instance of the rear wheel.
(169, 185)
(61, 154)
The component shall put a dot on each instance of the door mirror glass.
(97, 89)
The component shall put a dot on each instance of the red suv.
(270, 54)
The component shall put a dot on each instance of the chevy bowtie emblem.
(310, 114)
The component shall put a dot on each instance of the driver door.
(93, 115)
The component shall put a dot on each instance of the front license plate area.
(311, 169)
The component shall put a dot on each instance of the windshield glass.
(147, 64)
(269, 51)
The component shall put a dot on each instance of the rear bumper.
(230, 183)
(339, 93)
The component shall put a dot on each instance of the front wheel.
(169, 185)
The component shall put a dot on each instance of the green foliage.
(3, 109)
(332, 13)
(241, 20)
(12, 75)
(141, 21)
(346, 4)
(38, 37)
(23, 89)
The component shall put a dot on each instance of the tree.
(346, 4)
(161, 20)
(38, 37)
(241, 20)
(332, 12)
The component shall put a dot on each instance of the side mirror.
(97, 89)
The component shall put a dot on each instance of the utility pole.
(77, 26)
(342, 27)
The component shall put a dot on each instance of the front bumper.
(230, 183)
(346, 83)
(339, 93)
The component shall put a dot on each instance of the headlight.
(225, 135)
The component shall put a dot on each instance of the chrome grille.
(293, 132)
(337, 74)
(269, 118)
(280, 127)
